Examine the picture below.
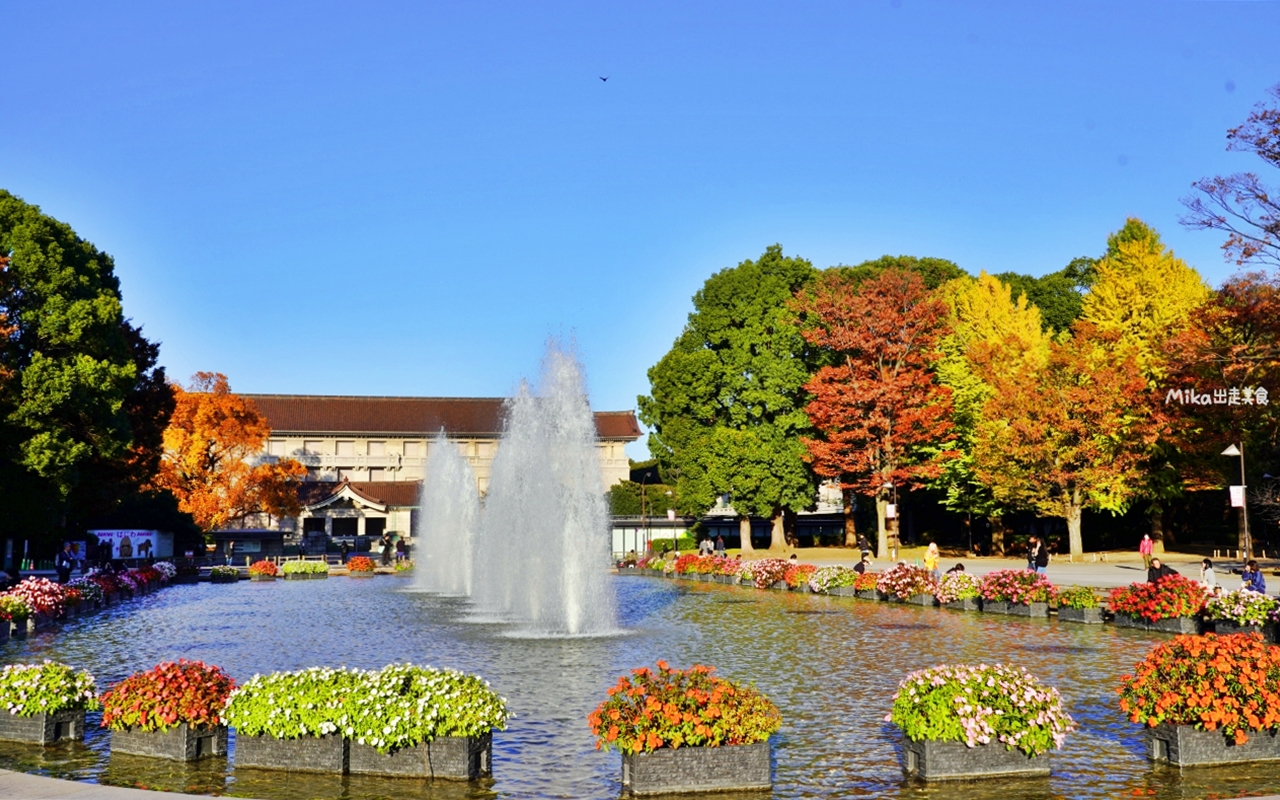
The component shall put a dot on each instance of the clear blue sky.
(379, 198)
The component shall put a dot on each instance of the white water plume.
(450, 509)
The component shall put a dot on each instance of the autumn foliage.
(1215, 683)
(211, 444)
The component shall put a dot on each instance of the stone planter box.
(697, 769)
(996, 606)
(254, 577)
(868, 594)
(306, 576)
(224, 578)
(18, 629)
(843, 591)
(1086, 616)
(943, 761)
(365, 574)
(1223, 626)
(176, 579)
(1184, 746)
(1029, 610)
(452, 757)
(780, 586)
(1174, 625)
(182, 743)
(43, 728)
(968, 604)
(307, 754)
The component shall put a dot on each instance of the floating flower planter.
(360, 567)
(908, 584)
(1241, 611)
(967, 604)
(958, 591)
(400, 721)
(223, 574)
(1084, 616)
(1079, 604)
(965, 722)
(1171, 605)
(46, 702)
(835, 580)
(687, 745)
(304, 570)
(171, 711)
(263, 571)
(1207, 700)
(1018, 592)
(1029, 610)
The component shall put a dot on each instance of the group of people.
(706, 547)
(1250, 576)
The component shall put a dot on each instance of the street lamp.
(1246, 543)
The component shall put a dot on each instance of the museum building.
(366, 456)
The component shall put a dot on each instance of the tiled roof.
(423, 416)
(388, 493)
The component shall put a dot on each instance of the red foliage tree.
(883, 419)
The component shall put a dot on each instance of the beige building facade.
(366, 456)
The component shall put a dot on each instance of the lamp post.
(1245, 544)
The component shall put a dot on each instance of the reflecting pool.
(830, 663)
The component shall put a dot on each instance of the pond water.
(830, 663)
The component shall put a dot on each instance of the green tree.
(1058, 295)
(726, 403)
(73, 367)
(933, 271)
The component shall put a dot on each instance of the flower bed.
(404, 565)
(824, 579)
(166, 569)
(957, 586)
(357, 564)
(1019, 586)
(46, 702)
(768, 571)
(264, 568)
(981, 705)
(1078, 597)
(1171, 597)
(866, 582)
(797, 575)
(14, 609)
(307, 568)
(1241, 607)
(905, 581)
(1229, 684)
(681, 708)
(167, 695)
(224, 574)
(41, 595)
(90, 590)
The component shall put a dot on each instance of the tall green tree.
(726, 403)
(74, 366)
(1059, 295)
(933, 272)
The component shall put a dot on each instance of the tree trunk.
(1157, 529)
(850, 527)
(882, 532)
(997, 535)
(777, 537)
(789, 529)
(1074, 511)
(744, 533)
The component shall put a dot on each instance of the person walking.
(931, 559)
(1144, 548)
(720, 551)
(344, 548)
(1251, 578)
(63, 563)
(1042, 557)
(386, 550)
(1032, 544)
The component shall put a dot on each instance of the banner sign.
(129, 544)
(1237, 497)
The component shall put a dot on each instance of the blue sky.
(383, 198)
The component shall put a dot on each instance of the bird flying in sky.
(604, 77)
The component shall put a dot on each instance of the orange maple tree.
(882, 417)
(212, 447)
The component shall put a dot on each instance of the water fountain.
(450, 510)
(540, 551)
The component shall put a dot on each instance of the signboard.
(671, 514)
(891, 510)
(131, 544)
(1237, 497)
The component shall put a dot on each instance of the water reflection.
(831, 664)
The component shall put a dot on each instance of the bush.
(360, 564)
(956, 586)
(264, 567)
(1016, 586)
(1227, 683)
(1173, 596)
(1079, 597)
(979, 705)
(824, 579)
(166, 696)
(1242, 607)
(305, 567)
(906, 581)
(664, 545)
(681, 708)
(398, 706)
(404, 565)
(29, 689)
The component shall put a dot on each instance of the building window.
(377, 474)
(413, 449)
(377, 448)
(347, 475)
(346, 448)
(485, 449)
(275, 447)
(313, 447)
